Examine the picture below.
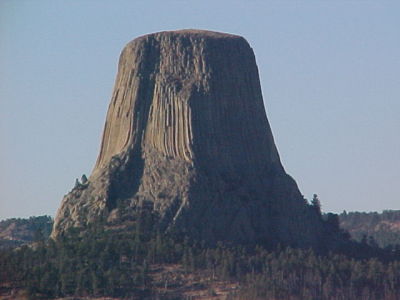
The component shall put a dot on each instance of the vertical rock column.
(187, 135)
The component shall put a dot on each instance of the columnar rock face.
(187, 137)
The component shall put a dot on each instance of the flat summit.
(187, 138)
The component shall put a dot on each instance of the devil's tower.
(187, 137)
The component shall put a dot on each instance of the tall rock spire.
(187, 137)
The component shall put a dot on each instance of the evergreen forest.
(382, 228)
(114, 262)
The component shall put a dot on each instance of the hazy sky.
(330, 74)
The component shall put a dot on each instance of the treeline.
(116, 263)
(17, 231)
(372, 227)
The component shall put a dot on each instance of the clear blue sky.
(330, 74)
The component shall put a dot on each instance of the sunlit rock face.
(187, 137)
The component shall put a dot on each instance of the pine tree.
(316, 204)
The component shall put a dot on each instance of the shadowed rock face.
(187, 137)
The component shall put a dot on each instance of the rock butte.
(187, 137)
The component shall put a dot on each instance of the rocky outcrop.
(187, 137)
